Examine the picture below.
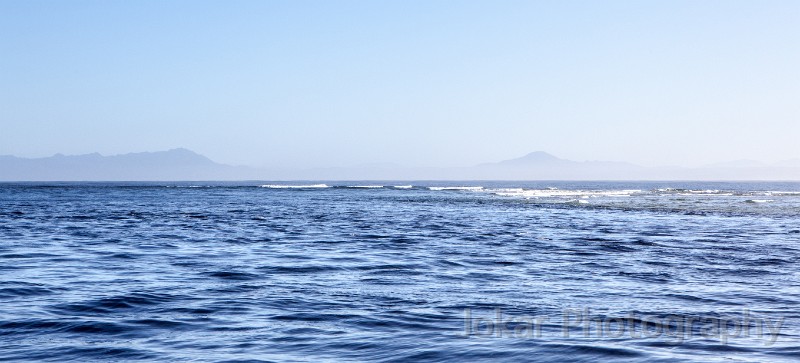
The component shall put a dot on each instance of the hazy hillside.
(182, 164)
(176, 164)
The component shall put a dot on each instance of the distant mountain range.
(185, 165)
(176, 164)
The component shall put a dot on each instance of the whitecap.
(456, 188)
(783, 193)
(506, 190)
(282, 186)
(560, 193)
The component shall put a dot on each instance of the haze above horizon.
(315, 84)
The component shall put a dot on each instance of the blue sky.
(334, 83)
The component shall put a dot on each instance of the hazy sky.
(327, 83)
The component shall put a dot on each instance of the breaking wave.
(305, 186)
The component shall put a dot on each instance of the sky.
(416, 83)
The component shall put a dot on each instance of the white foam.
(403, 186)
(366, 186)
(706, 193)
(782, 193)
(758, 201)
(558, 193)
(456, 188)
(506, 190)
(702, 192)
(282, 186)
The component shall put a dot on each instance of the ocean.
(400, 271)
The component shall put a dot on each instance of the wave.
(687, 192)
(282, 186)
(190, 186)
(578, 201)
(558, 193)
(456, 188)
(782, 193)
(725, 193)
(506, 190)
(561, 195)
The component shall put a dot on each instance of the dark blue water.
(515, 271)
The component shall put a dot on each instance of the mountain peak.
(181, 150)
(534, 158)
(539, 156)
(177, 156)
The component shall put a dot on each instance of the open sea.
(400, 271)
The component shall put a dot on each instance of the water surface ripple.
(333, 271)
